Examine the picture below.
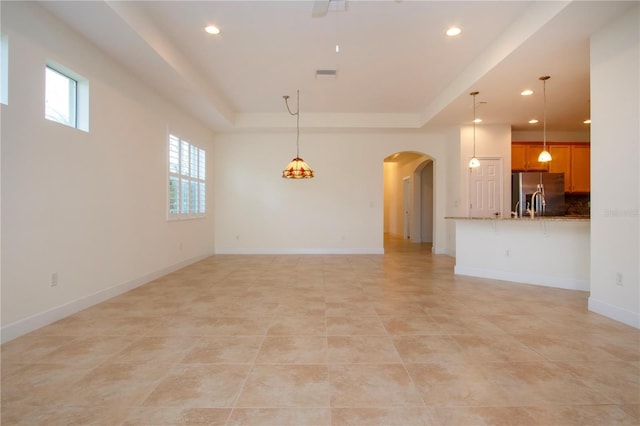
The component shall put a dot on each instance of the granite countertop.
(568, 218)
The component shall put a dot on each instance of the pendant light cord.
(544, 111)
(297, 114)
(474, 94)
(544, 114)
(474, 126)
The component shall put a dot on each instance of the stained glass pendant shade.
(297, 168)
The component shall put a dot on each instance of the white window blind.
(187, 179)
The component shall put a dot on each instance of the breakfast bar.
(550, 251)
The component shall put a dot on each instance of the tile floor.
(394, 339)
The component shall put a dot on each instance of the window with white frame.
(60, 97)
(187, 179)
(66, 97)
(4, 69)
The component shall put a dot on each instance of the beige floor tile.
(494, 348)
(355, 325)
(565, 348)
(307, 325)
(280, 417)
(618, 381)
(581, 415)
(31, 348)
(416, 324)
(633, 410)
(223, 350)
(372, 385)
(539, 383)
(424, 349)
(97, 415)
(158, 349)
(442, 383)
(40, 384)
(177, 416)
(89, 351)
(405, 416)
(293, 350)
(278, 386)
(199, 386)
(494, 416)
(362, 349)
(115, 384)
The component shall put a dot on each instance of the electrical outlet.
(54, 279)
(619, 279)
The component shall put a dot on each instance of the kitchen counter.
(552, 251)
(570, 218)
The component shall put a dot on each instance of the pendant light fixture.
(544, 156)
(474, 162)
(297, 168)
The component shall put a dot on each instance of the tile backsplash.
(577, 204)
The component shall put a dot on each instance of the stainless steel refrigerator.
(541, 192)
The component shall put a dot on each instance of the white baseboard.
(41, 319)
(300, 251)
(614, 312)
(543, 280)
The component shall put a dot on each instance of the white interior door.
(406, 192)
(485, 188)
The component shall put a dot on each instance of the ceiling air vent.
(327, 74)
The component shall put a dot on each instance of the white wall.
(426, 198)
(492, 141)
(339, 211)
(615, 186)
(556, 136)
(90, 206)
(392, 219)
(525, 251)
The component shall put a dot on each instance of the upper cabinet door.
(524, 158)
(580, 168)
(561, 163)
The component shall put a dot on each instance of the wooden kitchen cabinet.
(524, 158)
(580, 168)
(561, 163)
(572, 159)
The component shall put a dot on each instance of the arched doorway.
(408, 197)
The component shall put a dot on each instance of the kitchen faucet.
(542, 205)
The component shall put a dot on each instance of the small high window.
(61, 100)
(187, 179)
(66, 97)
(4, 69)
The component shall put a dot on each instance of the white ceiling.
(396, 68)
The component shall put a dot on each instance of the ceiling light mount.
(297, 168)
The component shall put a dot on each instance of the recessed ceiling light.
(526, 92)
(478, 120)
(212, 29)
(587, 121)
(533, 121)
(453, 31)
